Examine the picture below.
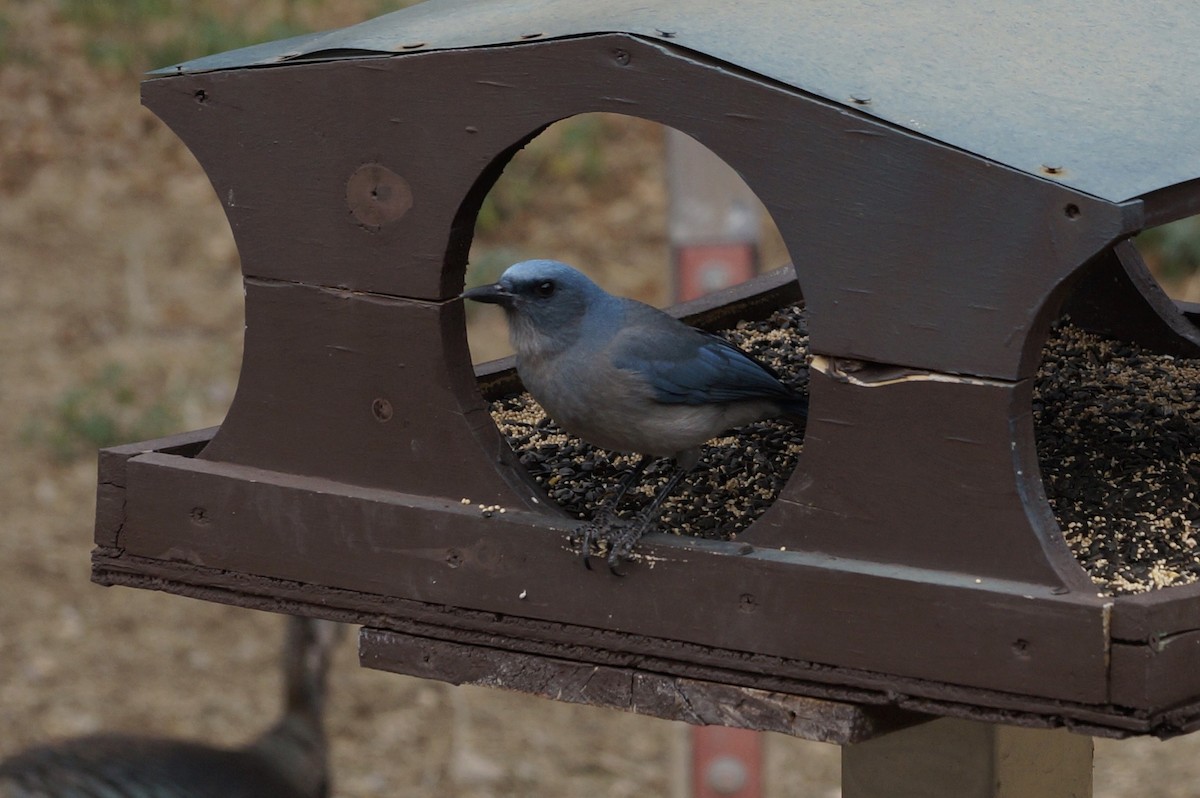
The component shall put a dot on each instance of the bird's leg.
(621, 544)
(629, 480)
(605, 518)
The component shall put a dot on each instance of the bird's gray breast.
(586, 396)
(615, 409)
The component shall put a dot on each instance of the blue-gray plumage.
(625, 376)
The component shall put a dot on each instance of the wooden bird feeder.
(946, 179)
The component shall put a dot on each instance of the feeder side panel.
(1012, 636)
(909, 252)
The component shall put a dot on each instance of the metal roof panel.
(1102, 96)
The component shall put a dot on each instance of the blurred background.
(121, 319)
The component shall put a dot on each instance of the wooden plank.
(988, 633)
(961, 759)
(373, 391)
(629, 689)
(114, 567)
(110, 481)
(1144, 617)
(1116, 295)
(567, 641)
(947, 465)
(1159, 674)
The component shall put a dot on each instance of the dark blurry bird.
(289, 760)
(627, 377)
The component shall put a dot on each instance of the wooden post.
(952, 758)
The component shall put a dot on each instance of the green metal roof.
(1102, 96)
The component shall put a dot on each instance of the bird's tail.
(795, 410)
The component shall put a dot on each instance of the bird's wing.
(682, 365)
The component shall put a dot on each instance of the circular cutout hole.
(1115, 425)
(603, 193)
(1172, 256)
(1116, 412)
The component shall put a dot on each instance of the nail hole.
(382, 409)
(1071, 210)
(201, 96)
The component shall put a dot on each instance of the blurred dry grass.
(114, 254)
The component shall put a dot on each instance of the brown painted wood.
(924, 470)
(1190, 310)
(922, 568)
(567, 641)
(1157, 614)
(1172, 203)
(1159, 674)
(1116, 296)
(366, 390)
(110, 481)
(629, 689)
(865, 615)
(952, 258)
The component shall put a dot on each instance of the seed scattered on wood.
(1116, 427)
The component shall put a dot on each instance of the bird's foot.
(618, 535)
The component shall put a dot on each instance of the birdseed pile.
(1116, 427)
(1118, 438)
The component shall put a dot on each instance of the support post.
(952, 758)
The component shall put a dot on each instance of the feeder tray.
(947, 182)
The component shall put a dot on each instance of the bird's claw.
(594, 531)
(619, 535)
(620, 545)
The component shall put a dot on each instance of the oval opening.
(1117, 414)
(649, 214)
(1172, 256)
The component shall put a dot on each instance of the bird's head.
(545, 301)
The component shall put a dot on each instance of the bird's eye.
(544, 289)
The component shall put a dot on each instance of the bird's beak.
(494, 294)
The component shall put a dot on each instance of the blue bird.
(627, 377)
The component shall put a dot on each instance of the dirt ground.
(120, 290)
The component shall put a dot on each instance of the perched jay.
(627, 377)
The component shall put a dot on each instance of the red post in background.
(726, 763)
(714, 226)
